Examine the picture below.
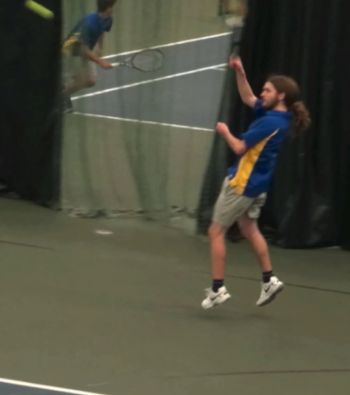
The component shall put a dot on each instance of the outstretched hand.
(222, 129)
(236, 63)
(105, 65)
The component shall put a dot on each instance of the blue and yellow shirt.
(86, 32)
(252, 175)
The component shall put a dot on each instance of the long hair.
(301, 115)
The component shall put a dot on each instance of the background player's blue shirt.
(254, 172)
(91, 27)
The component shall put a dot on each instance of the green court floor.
(120, 313)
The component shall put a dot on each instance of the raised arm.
(244, 88)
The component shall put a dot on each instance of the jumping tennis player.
(85, 43)
(245, 188)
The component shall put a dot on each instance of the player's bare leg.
(85, 79)
(271, 286)
(82, 81)
(218, 293)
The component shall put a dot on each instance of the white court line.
(169, 45)
(46, 387)
(146, 122)
(118, 88)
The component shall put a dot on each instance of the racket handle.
(115, 64)
(235, 52)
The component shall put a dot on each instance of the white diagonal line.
(118, 88)
(142, 121)
(46, 387)
(192, 40)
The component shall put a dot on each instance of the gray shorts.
(76, 65)
(230, 206)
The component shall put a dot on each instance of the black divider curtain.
(309, 200)
(29, 116)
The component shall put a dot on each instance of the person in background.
(85, 44)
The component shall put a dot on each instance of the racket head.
(148, 60)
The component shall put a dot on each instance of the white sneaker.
(215, 298)
(269, 291)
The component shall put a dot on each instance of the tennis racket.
(237, 32)
(146, 61)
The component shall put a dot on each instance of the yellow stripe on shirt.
(246, 165)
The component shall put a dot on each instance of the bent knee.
(90, 82)
(216, 230)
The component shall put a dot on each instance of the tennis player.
(85, 43)
(244, 190)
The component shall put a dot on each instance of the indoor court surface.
(121, 313)
(113, 306)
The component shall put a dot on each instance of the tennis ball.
(39, 9)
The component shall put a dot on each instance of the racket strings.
(148, 60)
